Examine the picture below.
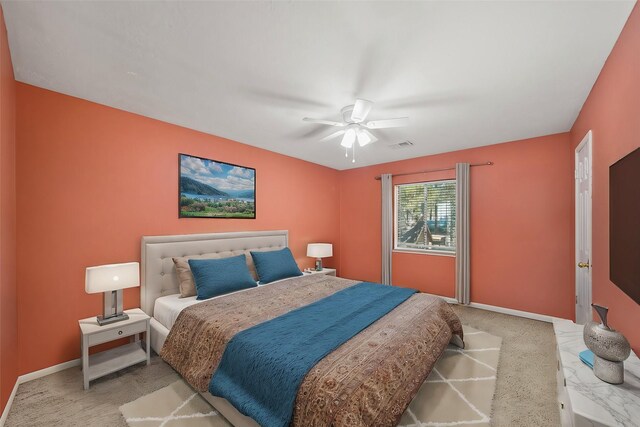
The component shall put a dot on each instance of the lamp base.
(318, 264)
(112, 319)
(112, 308)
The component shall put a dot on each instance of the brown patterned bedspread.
(367, 381)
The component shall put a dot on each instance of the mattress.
(167, 308)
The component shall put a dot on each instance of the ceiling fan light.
(349, 138)
(363, 137)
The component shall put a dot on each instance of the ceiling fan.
(355, 128)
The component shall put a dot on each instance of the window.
(426, 216)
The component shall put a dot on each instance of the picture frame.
(210, 188)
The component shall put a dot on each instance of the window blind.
(426, 216)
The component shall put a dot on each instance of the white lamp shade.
(349, 138)
(319, 250)
(112, 277)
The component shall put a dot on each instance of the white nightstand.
(103, 363)
(327, 271)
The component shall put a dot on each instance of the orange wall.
(92, 180)
(612, 112)
(8, 317)
(521, 224)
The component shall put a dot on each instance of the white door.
(583, 176)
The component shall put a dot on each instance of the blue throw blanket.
(262, 367)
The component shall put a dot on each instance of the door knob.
(583, 265)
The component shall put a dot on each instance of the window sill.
(426, 252)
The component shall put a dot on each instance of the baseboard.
(512, 312)
(447, 299)
(7, 407)
(33, 376)
(503, 310)
(48, 371)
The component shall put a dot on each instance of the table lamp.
(319, 251)
(112, 279)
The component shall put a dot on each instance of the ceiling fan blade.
(331, 136)
(323, 122)
(360, 110)
(388, 123)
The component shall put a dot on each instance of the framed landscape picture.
(212, 189)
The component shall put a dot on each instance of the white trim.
(7, 408)
(424, 252)
(512, 312)
(34, 376)
(503, 310)
(48, 371)
(447, 299)
(427, 251)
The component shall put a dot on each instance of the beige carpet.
(526, 388)
(459, 392)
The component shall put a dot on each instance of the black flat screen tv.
(624, 224)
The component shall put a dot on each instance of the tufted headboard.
(158, 275)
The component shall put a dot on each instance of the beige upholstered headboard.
(158, 275)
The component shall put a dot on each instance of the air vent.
(401, 145)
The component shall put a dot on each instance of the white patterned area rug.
(175, 405)
(459, 392)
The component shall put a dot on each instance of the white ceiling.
(466, 73)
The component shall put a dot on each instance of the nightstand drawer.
(114, 333)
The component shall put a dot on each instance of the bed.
(369, 372)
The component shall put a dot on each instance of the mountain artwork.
(213, 189)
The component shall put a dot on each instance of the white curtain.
(462, 234)
(387, 227)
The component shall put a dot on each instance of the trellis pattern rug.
(459, 392)
(460, 389)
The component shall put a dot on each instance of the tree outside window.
(426, 216)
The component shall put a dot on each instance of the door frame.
(587, 142)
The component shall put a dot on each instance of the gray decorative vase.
(609, 346)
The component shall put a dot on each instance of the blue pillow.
(215, 277)
(275, 265)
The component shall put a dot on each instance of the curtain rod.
(435, 170)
